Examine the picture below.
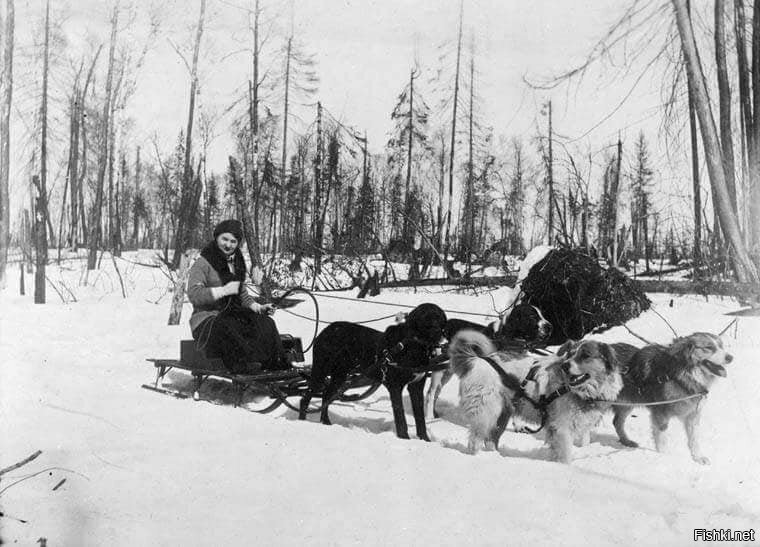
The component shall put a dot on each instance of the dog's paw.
(629, 443)
(702, 460)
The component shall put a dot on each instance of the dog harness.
(543, 402)
(385, 361)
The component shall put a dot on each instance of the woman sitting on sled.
(226, 321)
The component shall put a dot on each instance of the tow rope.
(400, 305)
(654, 403)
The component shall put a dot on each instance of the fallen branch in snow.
(22, 521)
(748, 291)
(21, 463)
(40, 472)
(138, 263)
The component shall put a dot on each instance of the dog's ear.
(683, 348)
(565, 349)
(611, 361)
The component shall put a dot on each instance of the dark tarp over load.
(578, 296)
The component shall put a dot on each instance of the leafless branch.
(21, 463)
(181, 55)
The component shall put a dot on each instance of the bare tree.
(447, 244)
(746, 270)
(252, 239)
(78, 221)
(41, 214)
(137, 202)
(188, 192)
(696, 189)
(7, 23)
(300, 79)
(724, 101)
(96, 228)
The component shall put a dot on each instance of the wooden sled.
(277, 385)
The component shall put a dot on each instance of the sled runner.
(276, 386)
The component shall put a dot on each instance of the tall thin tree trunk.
(746, 270)
(281, 201)
(96, 228)
(750, 168)
(407, 234)
(119, 203)
(73, 170)
(252, 240)
(251, 228)
(753, 222)
(110, 242)
(7, 23)
(137, 199)
(441, 185)
(317, 195)
(695, 181)
(550, 175)
(41, 216)
(182, 235)
(453, 141)
(63, 213)
(470, 211)
(83, 169)
(724, 101)
(614, 189)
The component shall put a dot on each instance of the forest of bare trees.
(446, 186)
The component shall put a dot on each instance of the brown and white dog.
(577, 384)
(684, 370)
(523, 325)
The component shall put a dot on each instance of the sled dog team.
(565, 394)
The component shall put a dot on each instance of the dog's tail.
(466, 346)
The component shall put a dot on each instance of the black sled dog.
(397, 357)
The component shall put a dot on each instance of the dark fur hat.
(230, 226)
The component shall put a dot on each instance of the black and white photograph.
(379, 272)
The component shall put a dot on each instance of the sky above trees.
(364, 50)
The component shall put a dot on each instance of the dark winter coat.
(211, 270)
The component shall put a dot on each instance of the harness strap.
(531, 376)
(384, 362)
(509, 380)
(546, 400)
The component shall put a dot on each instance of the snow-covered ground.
(141, 468)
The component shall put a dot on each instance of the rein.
(653, 403)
